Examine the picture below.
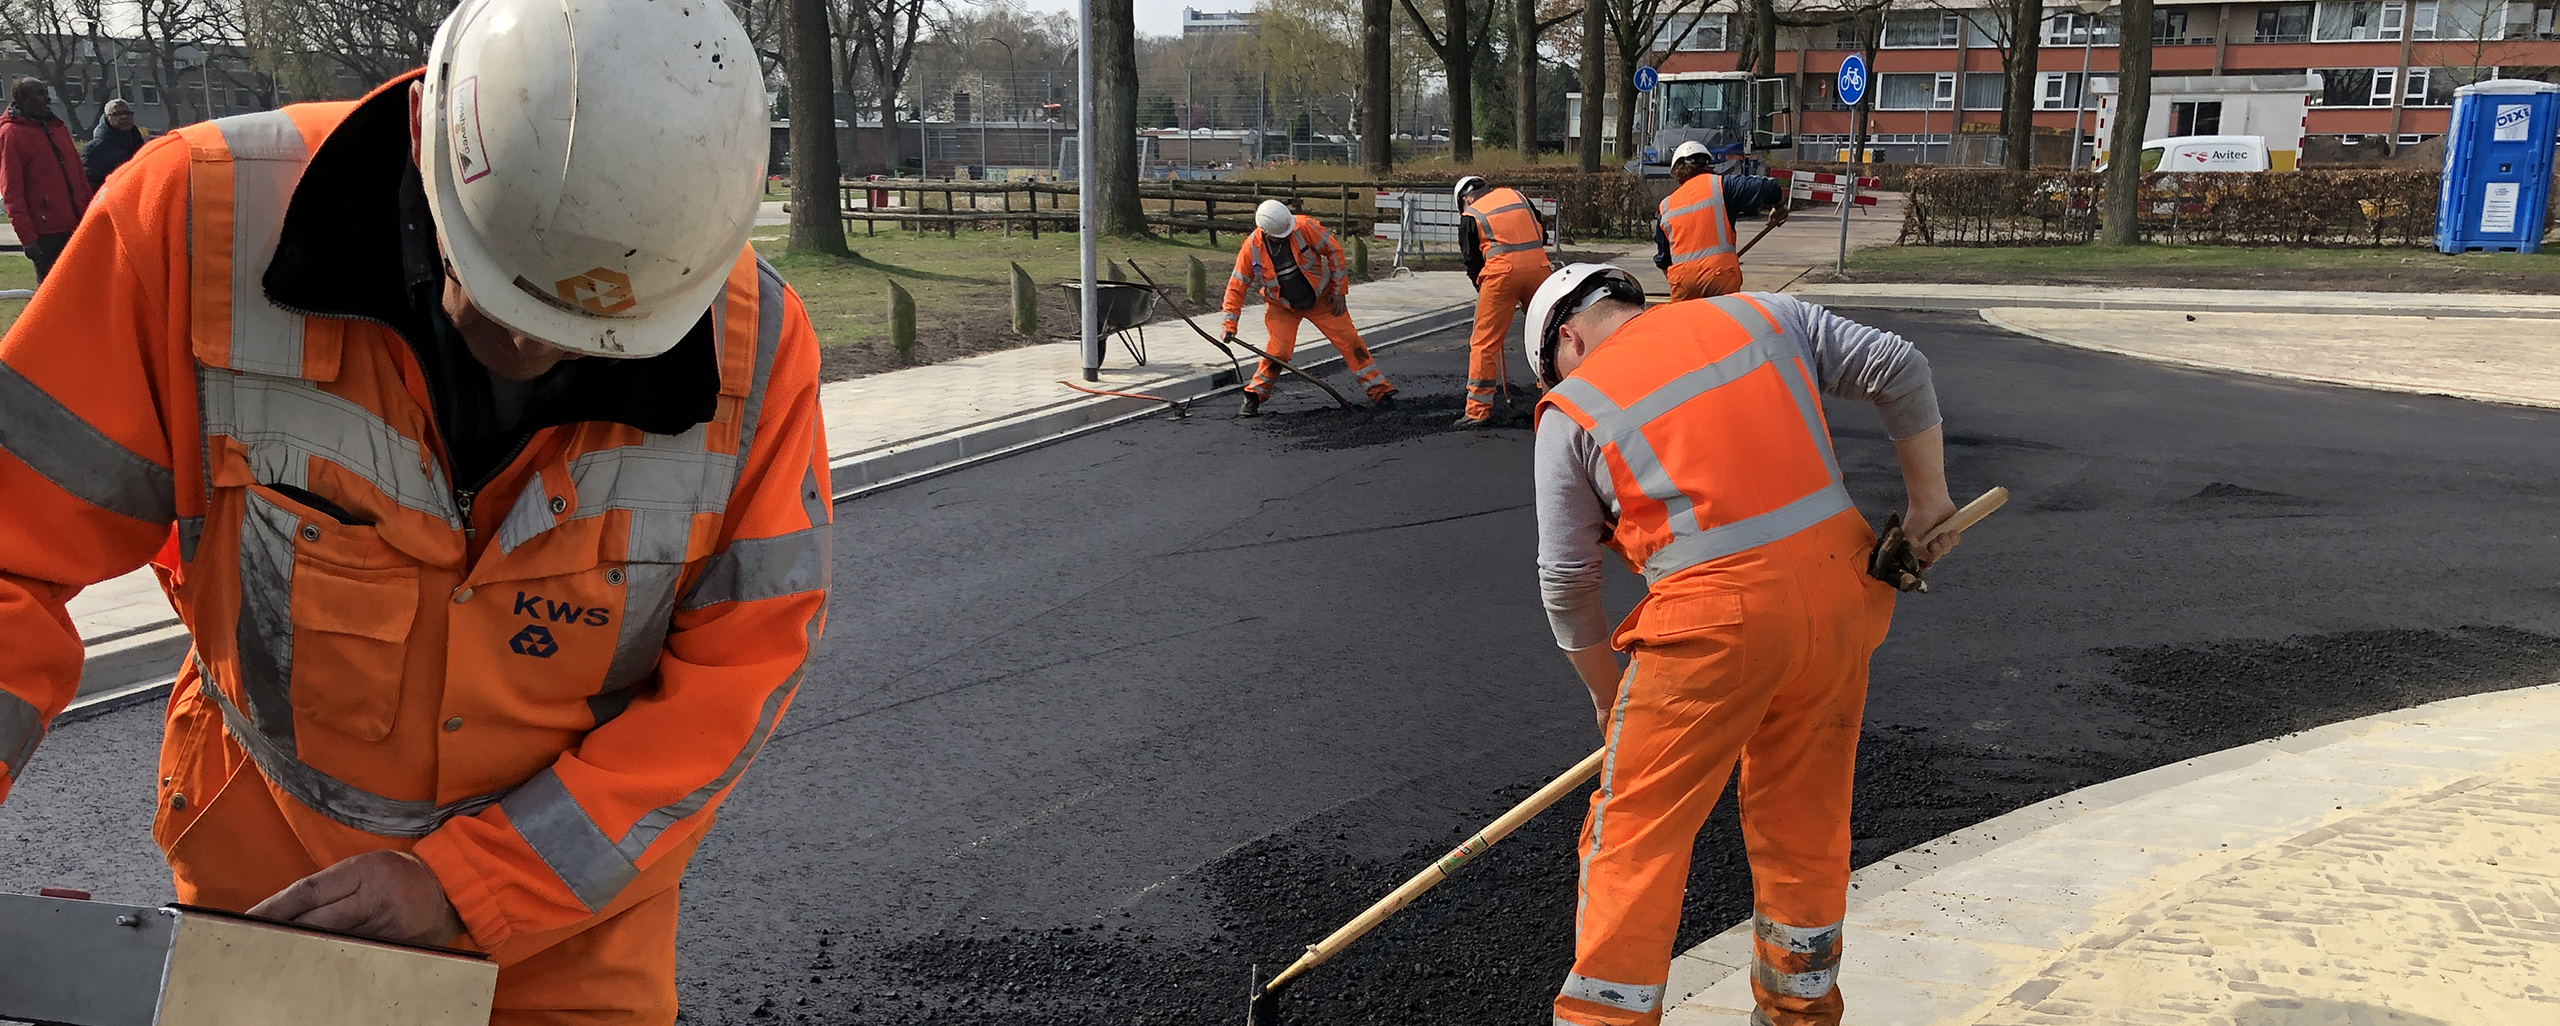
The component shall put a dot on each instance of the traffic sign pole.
(1853, 91)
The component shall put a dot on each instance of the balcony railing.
(2168, 40)
(2281, 37)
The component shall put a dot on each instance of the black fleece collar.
(358, 242)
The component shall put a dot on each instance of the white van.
(2205, 153)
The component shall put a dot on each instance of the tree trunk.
(1594, 91)
(1115, 119)
(1460, 64)
(2133, 114)
(817, 213)
(1627, 100)
(1524, 78)
(1377, 114)
(1764, 38)
(2018, 109)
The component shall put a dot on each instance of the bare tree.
(817, 210)
(1595, 92)
(58, 38)
(1634, 25)
(879, 37)
(1115, 119)
(1456, 45)
(1526, 28)
(2022, 44)
(2133, 114)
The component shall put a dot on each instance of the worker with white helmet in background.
(1688, 438)
(1301, 275)
(1694, 239)
(482, 459)
(1505, 243)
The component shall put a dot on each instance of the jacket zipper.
(462, 496)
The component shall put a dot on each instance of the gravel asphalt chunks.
(1099, 727)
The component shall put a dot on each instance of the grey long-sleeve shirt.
(1577, 507)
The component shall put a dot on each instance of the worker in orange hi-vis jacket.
(502, 549)
(1694, 238)
(1505, 242)
(1301, 275)
(1688, 438)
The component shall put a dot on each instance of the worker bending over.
(1301, 275)
(1693, 236)
(1506, 246)
(1688, 438)
(482, 459)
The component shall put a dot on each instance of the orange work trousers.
(1698, 279)
(1761, 658)
(1282, 324)
(1498, 296)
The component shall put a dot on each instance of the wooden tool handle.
(1971, 514)
(1447, 866)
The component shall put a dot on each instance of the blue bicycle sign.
(1853, 80)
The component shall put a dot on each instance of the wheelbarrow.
(1125, 309)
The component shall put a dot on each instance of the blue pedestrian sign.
(1853, 80)
(1646, 79)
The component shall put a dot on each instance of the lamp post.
(1012, 83)
(2088, 39)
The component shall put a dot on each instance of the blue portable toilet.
(2497, 167)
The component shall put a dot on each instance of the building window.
(2061, 90)
(1916, 91)
(2284, 23)
(1910, 29)
(2351, 20)
(1697, 32)
(2467, 19)
(74, 90)
(1984, 90)
(2169, 28)
(2202, 117)
(1985, 28)
(2075, 29)
(2532, 20)
(150, 93)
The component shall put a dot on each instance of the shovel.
(1265, 1008)
(1248, 346)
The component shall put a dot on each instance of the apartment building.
(2388, 68)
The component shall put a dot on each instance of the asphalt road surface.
(1097, 727)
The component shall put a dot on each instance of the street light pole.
(1085, 252)
(2088, 38)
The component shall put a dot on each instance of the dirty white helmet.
(1274, 219)
(1466, 185)
(593, 165)
(1567, 292)
(1692, 148)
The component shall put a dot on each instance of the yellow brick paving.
(2437, 908)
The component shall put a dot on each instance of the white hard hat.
(1274, 219)
(1465, 185)
(593, 165)
(1566, 293)
(1692, 148)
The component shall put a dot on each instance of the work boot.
(1467, 423)
(1384, 402)
(1252, 406)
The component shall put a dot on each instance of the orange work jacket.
(1508, 232)
(543, 693)
(1711, 427)
(1318, 256)
(1694, 218)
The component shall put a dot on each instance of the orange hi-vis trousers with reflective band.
(1498, 296)
(1699, 279)
(1762, 661)
(1282, 324)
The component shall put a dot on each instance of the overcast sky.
(1155, 17)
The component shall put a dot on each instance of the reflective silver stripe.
(1606, 791)
(753, 569)
(1628, 996)
(1714, 201)
(814, 500)
(530, 516)
(265, 638)
(1803, 985)
(1801, 940)
(1503, 209)
(1515, 247)
(78, 458)
(769, 306)
(656, 821)
(21, 726)
(1705, 204)
(1622, 429)
(285, 422)
(267, 155)
(327, 795)
(559, 830)
(1700, 254)
(648, 599)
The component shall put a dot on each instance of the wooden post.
(1033, 194)
(1008, 211)
(1345, 230)
(951, 215)
(1209, 208)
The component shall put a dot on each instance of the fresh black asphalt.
(1099, 726)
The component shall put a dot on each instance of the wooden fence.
(1211, 207)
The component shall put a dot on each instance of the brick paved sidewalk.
(2394, 869)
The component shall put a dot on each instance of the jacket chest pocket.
(348, 603)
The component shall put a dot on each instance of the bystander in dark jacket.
(115, 141)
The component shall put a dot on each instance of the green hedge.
(1994, 207)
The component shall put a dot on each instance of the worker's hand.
(386, 894)
(1598, 668)
(1230, 336)
(1339, 307)
(1777, 215)
(1923, 513)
